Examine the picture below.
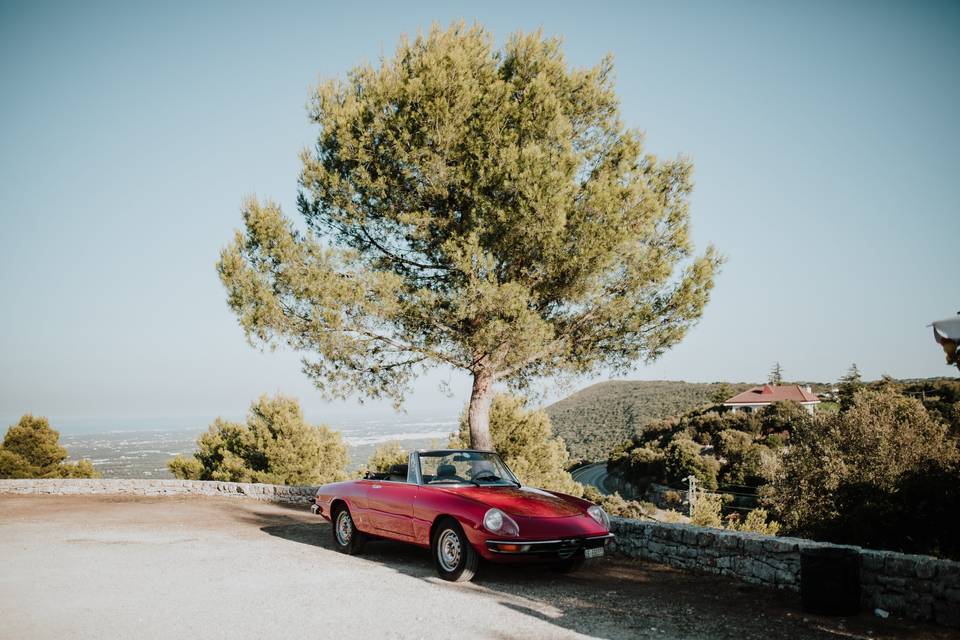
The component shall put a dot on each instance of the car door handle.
(376, 486)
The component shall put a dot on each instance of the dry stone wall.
(916, 587)
(268, 492)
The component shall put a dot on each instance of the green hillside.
(594, 420)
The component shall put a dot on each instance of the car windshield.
(465, 467)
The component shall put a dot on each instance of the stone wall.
(268, 492)
(916, 587)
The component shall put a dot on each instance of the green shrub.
(31, 449)
(682, 458)
(757, 521)
(746, 463)
(706, 510)
(384, 457)
(616, 505)
(275, 446)
(673, 516)
(673, 498)
(782, 417)
(866, 476)
(774, 441)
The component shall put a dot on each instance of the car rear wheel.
(346, 537)
(454, 557)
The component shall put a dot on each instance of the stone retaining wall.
(916, 587)
(268, 492)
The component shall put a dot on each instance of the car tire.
(569, 565)
(346, 537)
(453, 556)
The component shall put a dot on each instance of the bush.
(275, 446)
(384, 457)
(871, 475)
(674, 517)
(31, 449)
(673, 498)
(746, 463)
(774, 441)
(682, 458)
(757, 522)
(616, 505)
(525, 440)
(706, 510)
(782, 417)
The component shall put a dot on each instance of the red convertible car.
(464, 505)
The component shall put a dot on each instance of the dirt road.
(114, 567)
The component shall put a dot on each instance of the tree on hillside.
(776, 374)
(276, 446)
(477, 208)
(31, 449)
(848, 387)
(525, 440)
(855, 476)
(722, 393)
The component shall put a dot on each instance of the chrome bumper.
(564, 547)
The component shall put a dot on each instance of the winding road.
(593, 475)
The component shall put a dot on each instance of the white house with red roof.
(758, 397)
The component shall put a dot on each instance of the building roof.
(769, 393)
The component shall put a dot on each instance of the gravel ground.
(124, 567)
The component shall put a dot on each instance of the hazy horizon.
(823, 138)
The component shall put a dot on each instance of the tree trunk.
(478, 415)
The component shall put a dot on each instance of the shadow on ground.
(615, 598)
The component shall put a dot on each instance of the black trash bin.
(830, 581)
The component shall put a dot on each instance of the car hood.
(521, 501)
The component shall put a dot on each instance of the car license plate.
(593, 553)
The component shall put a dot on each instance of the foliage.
(853, 477)
(940, 396)
(682, 459)
(615, 505)
(276, 446)
(744, 459)
(479, 208)
(718, 447)
(757, 521)
(525, 440)
(31, 449)
(674, 517)
(706, 510)
(782, 417)
(384, 457)
(848, 387)
(722, 393)
(595, 420)
(776, 374)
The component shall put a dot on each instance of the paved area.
(116, 567)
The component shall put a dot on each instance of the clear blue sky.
(825, 138)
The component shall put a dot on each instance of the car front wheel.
(346, 538)
(454, 557)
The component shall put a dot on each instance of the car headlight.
(496, 521)
(597, 513)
